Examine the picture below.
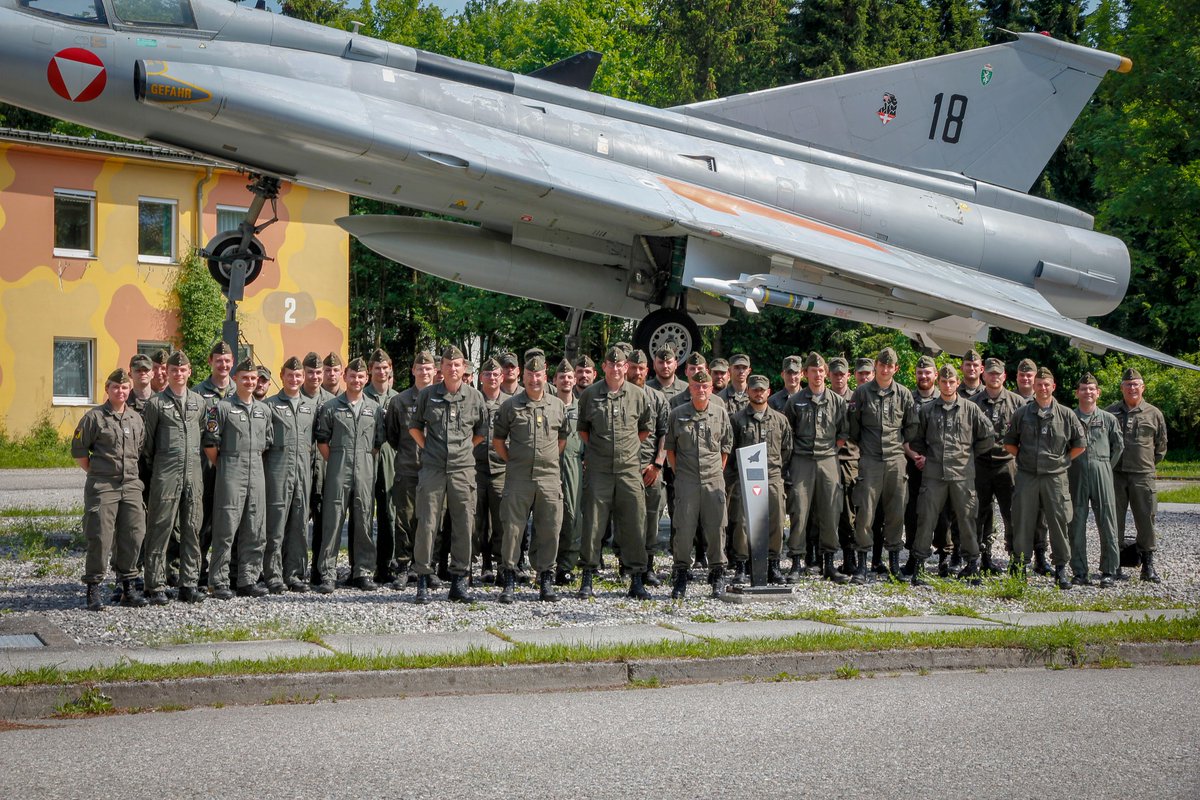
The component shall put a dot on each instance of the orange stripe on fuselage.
(737, 206)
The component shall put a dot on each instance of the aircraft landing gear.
(667, 326)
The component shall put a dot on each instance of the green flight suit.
(752, 427)
(241, 433)
(735, 401)
(848, 475)
(995, 470)
(385, 479)
(212, 395)
(289, 478)
(1045, 438)
(816, 423)
(700, 441)
(489, 490)
(399, 417)
(450, 422)
(571, 473)
(317, 488)
(173, 429)
(614, 422)
(354, 433)
(532, 431)
(1144, 430)
(881, 420)
(1091, 479)
(114, 514)
(656, 492)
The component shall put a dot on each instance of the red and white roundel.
(76, 74)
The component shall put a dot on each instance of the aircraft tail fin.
(995, 114)
(577, 71)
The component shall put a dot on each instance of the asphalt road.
(42, 488)
(1023, 733)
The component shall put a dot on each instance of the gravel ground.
(48, 585)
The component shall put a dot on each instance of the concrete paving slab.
(64, 659)
(1035, 618)
(929, 623)
(415, 643)
(225, 651)
(598, 636)
(757, 629)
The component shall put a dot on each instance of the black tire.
(667, 326)
(222, 247)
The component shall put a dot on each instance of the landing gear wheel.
(667, 326)
(222, 251)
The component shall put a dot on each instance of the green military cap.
(1088, 379)
(585, 361)
(450, 352)
(994, 366)
(864, 365)
(564, 366)
(626, 346)
(291, 363)
(141, 361)
(535, 362)
(118, 375)
(758, 382)
(378, 356)
(696, 359)
(160, 356)
(615, 355)
(972, 355)
(814, 359)
(887, 356)
(1026, 365)
(468, 367)
(926, 362)
(423, 357)
(534, 351)
(719, 365)
(1131, 374)
(356, 365)
(947, 372)
(638, 357)
(701, 376)
(739, 360)
(792, 364)
(1044, 373)
(312, 361)
(332, 360)
(838, 364)
(178, 359)
(508, 359)
(263, 372)
(246, 365)
(220, 348)
(490, 364)
(665, 352)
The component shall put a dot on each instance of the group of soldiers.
(219, 490)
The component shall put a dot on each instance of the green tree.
(201, 308)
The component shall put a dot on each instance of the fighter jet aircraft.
(895, 197)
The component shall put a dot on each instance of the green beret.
(638, 357)
(508, 359)
(333, 360)
(160, 356)
(700, 376)
(263, 372)
(585, 361)
(864, 365)
(615, 355)
(926, 362)
(994, 366)
(758, 382)
(378, 356)
(1026, 365)
(141, 361)
(246, 365)
(535, 362)
(450, 352)
(696, 359)
(947, 372)
(838, 364)
(221, 348)
(118, 375)
(423, 357)
(292, 363)
(792, 364)
(666, 352)
(1044, 373)
(178, 359)
(356, 365)
(564, 366)
(972, 355)
(814, 359)
(490, 364)
(1131, 374)
(312, 361)
(739, 360)
(719, 365)
(1088, 379)
(887, 356)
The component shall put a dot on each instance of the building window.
(156, 231)
(229, 217)
(73, 371)
(74, 223)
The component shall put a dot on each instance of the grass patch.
(956, 610)
(89, 704)
(846, 672)
(898, 610)
(268, 629)
(40, 448)
(1184, 494)
(1111, 662)
(702, 617)
(24, 513)
(645, 683)
(1182, 464)
(829, 616)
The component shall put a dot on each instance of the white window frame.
(229, 210)
(173, 258)
(79, 194)
(68, 400)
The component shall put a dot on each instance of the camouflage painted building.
(90, 237)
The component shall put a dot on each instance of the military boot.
(132, 596)
(95, 597)
(894, 565)
(158, 598)
(848, 561)
(679, 584)
(1040, 565)
(637, 587)
(508, 579)
(651, 577)
(1149, 574)
(774, 573)
(909, 566)
(739, 573)
(797, 570)
(191, 594)
(422, 597)
(1060, 577)
(487, 574)
(458, 589)
(812, 560)
(956, 561)
(830, 573)
(943, 565)
(919, 575)
(861, 568)
(562, 577)
(716, 576)
(985, 562)
(970, 571)
(546, 591)
(586, 591)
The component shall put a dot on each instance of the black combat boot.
(422, 597)
(225, 593)
(95, 597)
(1040, 565)
(894, 565)
(739, 573)
(829, 573)
(132, 596)
(158, 598)
(637, 587)
(562, 577)
(862, 568)
(1106, 581)
(716, 576)
(679, 583)
(848, 561)
(985, 562)
(797, 570)
(943, 565)
(1060, 577)
(192, 594)
(970, 571)
(651, 577)
(546, 591)
(774, 573)
(1149, 574)
(909, 565)
(364, 583)
(919, 575)
(812, 560)
(1081, 580)
(255, 590)
(877, 560)
(508, 578)
(458, 589)
(487, 574)
(956, 561)
(586, 591)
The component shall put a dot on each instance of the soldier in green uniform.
(1145, 432)
(141, 372)
(236, 434)
(718, 368)
(653, 457)
(1026, 374)
(666, 377)
(158, 381)
(451, 419)
(571, 473)
(529, 432)
(864, 373)
(972, 374)
(332, 368)
(691, 365)
(839, 384)
(509, 378)
(995, 470)
(951, 433)
(736, 394)
(792, 373)
(349, 433)
(614, 420)
(174, 421)
(699, 440)
(215, 388)
(379, 389)
(926, 391)
(1091, 479)
(401, 411)
(490, 469)
(753, 423)
(289, 476)
(1044, 437)
(882, 417)
(313, 390)
(817, 420)
(585, 373)
(264, 383)
(106, 445)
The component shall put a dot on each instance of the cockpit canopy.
(175, 14)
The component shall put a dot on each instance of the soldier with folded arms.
(1091, 477)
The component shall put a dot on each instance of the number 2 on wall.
(289, 310)
(956, 112)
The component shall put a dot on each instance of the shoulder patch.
(211, 426)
